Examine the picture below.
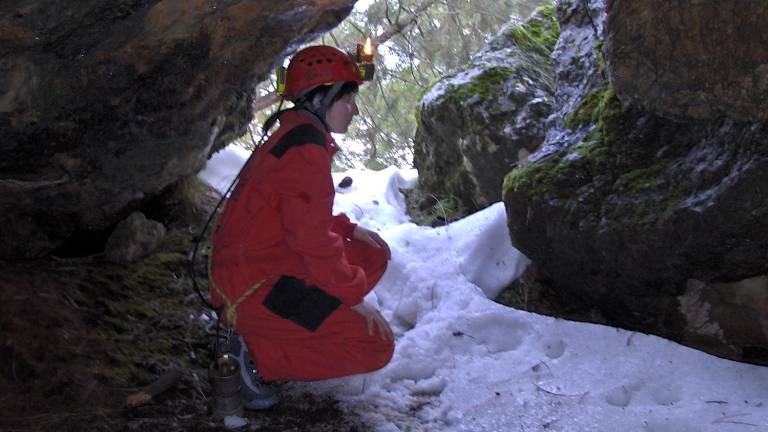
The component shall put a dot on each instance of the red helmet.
(319, 65)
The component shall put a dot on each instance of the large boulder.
(642, 219)
(474, 125)
(106, 104)
(700, 60)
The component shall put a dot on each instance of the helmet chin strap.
(320, 104)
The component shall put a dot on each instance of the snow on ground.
(465, 363)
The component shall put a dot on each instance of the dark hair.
(348, 87)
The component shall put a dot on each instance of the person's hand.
(372, 238)
(373, 316)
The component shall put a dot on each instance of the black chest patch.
(296, 137)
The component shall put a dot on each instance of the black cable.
(199, 238)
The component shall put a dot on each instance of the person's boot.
(257, 395)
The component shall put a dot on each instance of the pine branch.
(390, 110)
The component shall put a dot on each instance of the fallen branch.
(729, 419)
(559, 394)
(166, 381)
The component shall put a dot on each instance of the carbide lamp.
(365, 53)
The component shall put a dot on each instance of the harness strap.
(230, 309)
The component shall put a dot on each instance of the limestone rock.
(476, 124)
(730, 319)
(698, 60)
(133, 238)
(106, 104)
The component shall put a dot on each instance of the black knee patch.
(306, 305)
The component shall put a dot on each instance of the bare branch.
(335, 41)
(402, 23)
(356, 27)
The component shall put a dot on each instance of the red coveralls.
(278, 227)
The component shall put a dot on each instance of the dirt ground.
(79, 334)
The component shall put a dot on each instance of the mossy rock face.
(474, 125)
(621, 209)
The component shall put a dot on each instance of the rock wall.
(691, 60)
(105, 104)
(476, 124)
(646, 207)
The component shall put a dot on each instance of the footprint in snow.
(665, 394)
(554, 348)
(619, 396)
(498, 332)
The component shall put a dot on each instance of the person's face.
(342, 111)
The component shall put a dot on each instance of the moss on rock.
(477, 122)
(535, 178)
(539, 33)
(593, 108)
(480, 87)
(600, 110)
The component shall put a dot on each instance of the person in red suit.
(289, 275)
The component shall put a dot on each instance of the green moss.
(534, 178)
(539, 33)
(535, 38)
(599, 108)
(599, 55)
(620, 148)
(484, 85)
(642, 179)
(429, 210)
(639, 175)
(444, 211)
(140, 320)
(582, 149)
(596, 105)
